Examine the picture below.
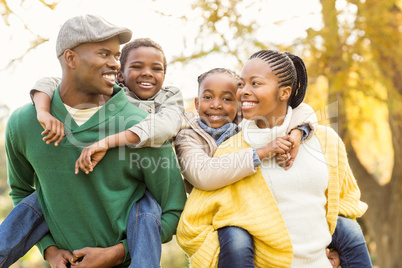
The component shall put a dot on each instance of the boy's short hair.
(140, 42)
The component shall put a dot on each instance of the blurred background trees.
(354, 60)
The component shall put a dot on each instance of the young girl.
(289, 214)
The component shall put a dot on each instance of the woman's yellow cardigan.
(250, 205)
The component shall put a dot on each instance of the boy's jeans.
(21, 230)
(237, 246)
(25, 226)
(144, 230)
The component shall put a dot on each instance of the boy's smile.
(144, 72)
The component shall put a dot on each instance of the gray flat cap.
(88, 29)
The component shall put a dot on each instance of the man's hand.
(98, 257)
(57, 258)
(90, 156)
(53, 128)
(333, 257)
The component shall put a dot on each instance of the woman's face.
(259, 94)
(216, 103)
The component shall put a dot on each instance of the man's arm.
(19, 171)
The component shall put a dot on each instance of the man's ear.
(70, 57)
(120, 77)
(284, 93)
(196, 103)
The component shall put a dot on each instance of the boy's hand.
(90, 156)
(98, 257)
(57, 258)
(53, 128)
(333, 257)
(286, 161)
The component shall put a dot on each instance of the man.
(87, 214)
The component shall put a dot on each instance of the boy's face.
(216, 103)
(143, 72)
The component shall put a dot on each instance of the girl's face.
(260, 96)
(143, 72)
(216, 103)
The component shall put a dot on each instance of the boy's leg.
(21, 230)
(349, 241)
(144, 233)
(236, 248)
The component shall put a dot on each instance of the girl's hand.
(281, 145)
(90, 156)
(53, 128)
(286, 161)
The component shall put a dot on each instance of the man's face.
(96, 66)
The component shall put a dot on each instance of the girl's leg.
(349, 241)
(236, 248)
(144, 233)
(21, 230)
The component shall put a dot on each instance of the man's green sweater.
(90, 210)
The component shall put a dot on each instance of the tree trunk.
(383, 220)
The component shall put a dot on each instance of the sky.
(282, 21)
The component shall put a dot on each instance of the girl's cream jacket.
(195, 148)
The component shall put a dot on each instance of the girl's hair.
(201, 77)
(290, 70)
(235, 76)
(140, 42)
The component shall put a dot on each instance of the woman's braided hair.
(290, 70)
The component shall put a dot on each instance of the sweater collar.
(220, 134)
(110, 109)
(257, 137)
